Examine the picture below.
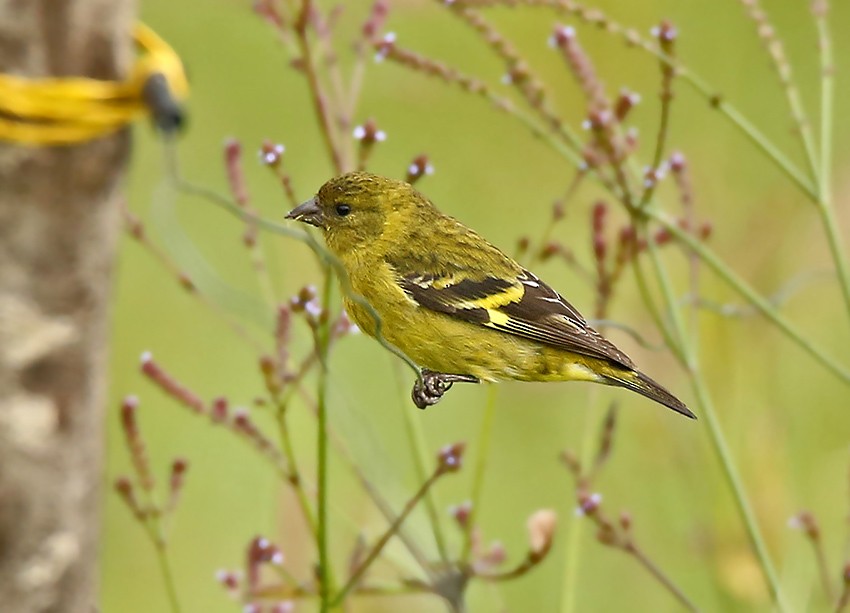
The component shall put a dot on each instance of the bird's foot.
(429, 389)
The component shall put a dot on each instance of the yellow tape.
(58, 111)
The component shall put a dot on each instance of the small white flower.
(313, 308)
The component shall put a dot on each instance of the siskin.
(454, 303)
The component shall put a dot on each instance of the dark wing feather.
(453, 299)
(523, 306)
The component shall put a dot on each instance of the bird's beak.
(309, 212)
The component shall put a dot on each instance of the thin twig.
(483, 440)
(416, 439)
(637, 553)
(388, 534)
(742, 288)
(775, 49)
(597, 18)
(320, 100)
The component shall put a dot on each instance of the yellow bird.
(454, 303)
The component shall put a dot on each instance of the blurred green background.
(786, 419)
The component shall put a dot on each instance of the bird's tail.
(638, 382)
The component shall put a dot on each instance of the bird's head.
(355, 208)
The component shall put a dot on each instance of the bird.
(452, 302)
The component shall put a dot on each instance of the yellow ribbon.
(61, 111)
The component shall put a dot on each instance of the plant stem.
(388, 534)
(825, 203)
(836, 247)
(744, 125)
(322, 451)
(294, 472)
(659, 575)
(773, 45)
(844, 600)
(649, 302)
(415, 436)
(678, 333)
(704, 253)
(718, 439)
(167, 575)
(826, 102)
(389, 515)
(323, 254)
(733, 479)
(693, 80)
(823, 567)
(756, 300)
(152, 523)
(570, 583)
(483, 441)
(320, 100)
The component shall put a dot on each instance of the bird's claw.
(429, 389)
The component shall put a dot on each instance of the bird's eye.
(342, 209)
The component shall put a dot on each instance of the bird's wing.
(519, 304)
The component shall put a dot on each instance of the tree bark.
(59, 218)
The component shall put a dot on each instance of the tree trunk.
(59, 217)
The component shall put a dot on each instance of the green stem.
(483, 441)
(416, 437)
(325, 575)
(825, 203)
(703, 88)
(789, 86)
(323, 254)
(649, 302)
(679, 335)
(167, 575)
(372, 492)
(152, 524)
(718, 439)
(294, 474)
(258, 262)
(660, 576)
(745, 126)
(826, 111)
(385, 538)
(762, 305)
(756, 137)
(836, 247)
(573, 545)
(733, 479)
(385, 509)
